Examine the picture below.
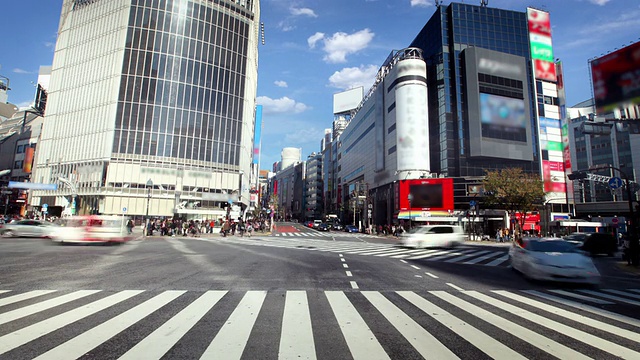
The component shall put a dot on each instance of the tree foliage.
(514, 191)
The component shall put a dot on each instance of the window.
(20, 149)
(17, 164)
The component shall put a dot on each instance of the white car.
(552, 259)
(425, 236)
(92, 229)
(30, 228)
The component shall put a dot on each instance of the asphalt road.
(300, 296)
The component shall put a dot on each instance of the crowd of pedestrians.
(196, 228)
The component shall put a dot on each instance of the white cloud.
(21, 71)
(298, 137)
(341, 44)
(428, 3)
(284, 105)
(352, 77)
(597, 2)
(281, 83)
(303, 12)
(313, 39)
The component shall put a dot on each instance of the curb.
(629, 269)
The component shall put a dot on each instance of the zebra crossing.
(287, 324)
(460, 255)
(318, 234)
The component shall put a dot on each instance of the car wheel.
(8, 233)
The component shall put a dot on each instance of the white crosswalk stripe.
(458, 255)
(479, 321)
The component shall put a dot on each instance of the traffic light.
(577, 175)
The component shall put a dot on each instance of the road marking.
(589, 308)
(415, 267)
(44, 305)
(485, 257)
(455, 286)
(395, 252)
(340, 255)
(343, 259)
(423, 341)
(349, 273)
(610, 297)
(360, 339)
(20, 297)
(582, 297)
(232, 337)
(20, 337)
(430, 274)
(180, 246)
(543, 343)
(631, 335)
(459, 258)
(569, 331)
(407, 254)
(418, 276)
(296, 338)
(354, 285)
(479, 339)
(345, 266)
(618, 292)
(403, 261)
(92, 338)
(498, 261)
(450, 254)
(437, 252)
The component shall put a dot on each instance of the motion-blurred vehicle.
(337, 227)
(552, 259)
(594, 243)
(309, 224)
(324, 227)
(28, 228)
(92, 229)
(316, 223)
(426, 236)
(351, 229)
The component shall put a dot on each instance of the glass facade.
(183, 80)
(443, 39)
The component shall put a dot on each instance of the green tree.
(513, 190)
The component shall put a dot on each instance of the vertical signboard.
(540, 42)
(257, 135)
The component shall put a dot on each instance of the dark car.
(324, 227)
(337, 227)
(351, 229)
(594, 243)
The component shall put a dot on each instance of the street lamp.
(146, 220)
(74, 193)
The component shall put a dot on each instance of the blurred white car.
(28, 228)
(552, 259)
(92, 229)
(425, 236)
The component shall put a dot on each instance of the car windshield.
(551, 246)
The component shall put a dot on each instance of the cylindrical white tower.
(290, 156)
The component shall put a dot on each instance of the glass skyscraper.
(151, 106)
(453, 85)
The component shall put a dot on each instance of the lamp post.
(74, 193)
(146, 219)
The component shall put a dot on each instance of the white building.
(151, 107)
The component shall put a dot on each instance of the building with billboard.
(151, 107)
(616, 81)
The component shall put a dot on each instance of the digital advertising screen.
(503, 117)
(426, 194)
(616, 79)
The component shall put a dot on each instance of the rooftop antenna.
(438, 3)
(484, 3)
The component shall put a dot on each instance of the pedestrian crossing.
(461, 255)
(318, 234)
(288, 324)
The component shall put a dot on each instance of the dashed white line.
(345, 266)
(415, 267)
(340, 255)
(403, 261)
(343, 260)
(354, 285)
(455, 287)
(418, 276)
(430, 274)
(349, 273)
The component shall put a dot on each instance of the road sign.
(472, 203)
(44, 206)
(124, 209)
(615, 183)
(614, 220)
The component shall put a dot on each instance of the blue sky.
(314, 49)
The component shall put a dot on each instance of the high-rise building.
(151, 107)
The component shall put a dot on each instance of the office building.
(151, 107)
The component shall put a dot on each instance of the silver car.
(28, 228)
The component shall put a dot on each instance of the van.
(426, 236)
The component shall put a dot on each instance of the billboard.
(540, 43)
(257, 138)
(27, 164)
(503, 117)
(426, 194)
(347, 100)
(616, 79)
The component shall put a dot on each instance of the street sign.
(614, 220)
(45, 207)
(472, 203)
(615, 183)
(124, 209)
